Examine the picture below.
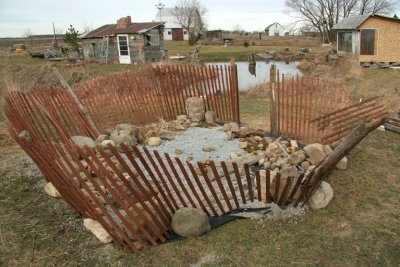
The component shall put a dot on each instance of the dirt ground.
(360, 227)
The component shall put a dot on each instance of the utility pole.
(160, 7)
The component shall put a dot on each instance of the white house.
(275, 29)
(172, 30)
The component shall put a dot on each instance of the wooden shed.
(125, 42)
(369, 38)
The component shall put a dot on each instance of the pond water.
(247, 80)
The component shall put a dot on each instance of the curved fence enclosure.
(131, 191)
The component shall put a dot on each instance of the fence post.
(272, 100)
(235, 92)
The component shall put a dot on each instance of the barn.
(369, 38)
(173, 31)
(125, 42)
(275, 29)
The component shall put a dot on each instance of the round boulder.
(190, 222)
(322, 196)
(154, 141)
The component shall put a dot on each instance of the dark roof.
(111, 29)
(353, 22)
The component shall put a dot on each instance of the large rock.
(51, 190)
(97, 229)
(154, 141)
(124, 133)
(195, 108)
(322, 196)
(315, 152)
(190, 222)
(83, 141)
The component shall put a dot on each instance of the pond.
(247, 80)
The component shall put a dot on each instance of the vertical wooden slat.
(229, 180)
(258, 183)
(200, 186)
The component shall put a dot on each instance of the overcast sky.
(16, 16)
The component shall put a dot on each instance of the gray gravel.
(193, 140)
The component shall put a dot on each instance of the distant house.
(172, 30)
(125, 41)
(369, 38)
(214, 35)
(275, 29)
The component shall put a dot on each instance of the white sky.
(16, 16)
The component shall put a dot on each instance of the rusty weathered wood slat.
(191, 186)
(221, 187)
(277, 185)
(212, 190)
(249, 182)
(258, 185)
(267, 186)
(284, 196)
(296, 186)
(230, 184)
(162, 179)
(200, 186)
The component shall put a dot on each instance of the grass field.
(360, 227)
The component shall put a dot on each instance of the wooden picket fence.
(133, 192)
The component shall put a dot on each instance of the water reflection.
(247, 80)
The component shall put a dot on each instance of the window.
(344, 42)
(169, 32)
(184, 32)
(123, 45)
(367, 42)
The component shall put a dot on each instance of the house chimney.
(124, 22)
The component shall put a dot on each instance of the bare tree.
(238, 29)
(324, 14)
(27, 33)
(190, 14)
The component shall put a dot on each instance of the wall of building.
(168, 34)
(92, 49)
(276, 28)
(387, 40)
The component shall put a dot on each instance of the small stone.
(26, 135)
(293, 143)
(322, 196)
(274, 166)
(311, 168)
(208, 149)
(243, 145)
(154, 141)
(101, 138)
(342, 165)
(126, 128)
(272, 160)
(105, 143)
(226, 127)
(97, 230)
(229, 136)
(190, 222)
(327, 149)
(210, 117)
(315, 152)
(178, 151)
(234, 156)
(51, 190)
(195, 124)
(189, 158)
(258, 138)
(234, 126)
(181, 118)
(267, 165)
(261, 162)
(83, 141)
(305, 165)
